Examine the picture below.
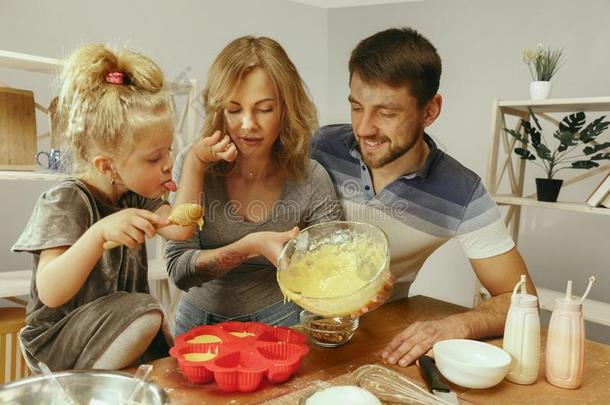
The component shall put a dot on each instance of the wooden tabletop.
(376, 329)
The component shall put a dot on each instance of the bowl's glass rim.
(308, 314)
(380, 271)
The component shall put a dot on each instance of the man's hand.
(382, 295)
(417, 339)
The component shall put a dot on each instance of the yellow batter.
(199, 356)
(205, 339)
(242, 334)
(333, 271)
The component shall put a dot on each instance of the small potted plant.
(543, 63)
(571, 133)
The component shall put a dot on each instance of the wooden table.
(376, 329)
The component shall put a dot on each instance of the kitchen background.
(480, 42)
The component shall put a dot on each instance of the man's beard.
(389, 157)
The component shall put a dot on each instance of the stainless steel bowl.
(84, 387)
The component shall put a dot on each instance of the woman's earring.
(112, 181)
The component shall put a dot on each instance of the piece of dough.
(187, 214)
(205, 339)
(242, 334)
(199, 356)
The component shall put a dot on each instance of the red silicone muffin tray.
(246, 352)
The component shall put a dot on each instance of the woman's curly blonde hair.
(298, 113)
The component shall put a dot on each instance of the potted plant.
(543, 63)
(570, 135)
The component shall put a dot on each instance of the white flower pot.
(540, 90)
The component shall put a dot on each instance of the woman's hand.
(270, 244)
(214, 148)
(130, 226)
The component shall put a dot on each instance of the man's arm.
(498, 274)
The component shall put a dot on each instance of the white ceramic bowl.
(470, 363)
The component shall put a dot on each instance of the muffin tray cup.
(195, 372)
(284, 359)
(212, 330)
(247, 353)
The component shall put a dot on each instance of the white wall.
(480, 43)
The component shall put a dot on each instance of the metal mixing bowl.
(85, 387)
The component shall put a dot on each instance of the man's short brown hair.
(398, 57)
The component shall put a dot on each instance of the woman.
(254, 199)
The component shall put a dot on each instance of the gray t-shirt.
(61, 216)
(252, 285)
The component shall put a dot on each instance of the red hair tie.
(116, 78)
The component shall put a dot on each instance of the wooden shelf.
(31, 63)
(34, 175)
(594, 311)
(504, 199)
(558, 105)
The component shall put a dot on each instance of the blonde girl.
(254, 203)
(91, 308)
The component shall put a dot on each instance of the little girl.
(91, 308)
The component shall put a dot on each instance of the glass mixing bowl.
(328, 332)
(334, 268)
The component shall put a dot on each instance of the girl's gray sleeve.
(61, 216)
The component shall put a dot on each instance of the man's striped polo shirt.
(420, 211)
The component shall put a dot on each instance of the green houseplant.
(572, 133)
(543, 63)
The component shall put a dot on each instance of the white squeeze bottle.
(522, 336)
(565, 347)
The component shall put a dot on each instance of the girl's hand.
(130, 226)
(214, 148)
(270, 244)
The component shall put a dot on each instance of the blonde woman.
(253, 204)
(90, 308)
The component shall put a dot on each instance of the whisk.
(393, 387)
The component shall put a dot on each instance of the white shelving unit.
(35, 175)
(505, 168)
(186, 128)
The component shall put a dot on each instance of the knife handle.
(432, 375)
